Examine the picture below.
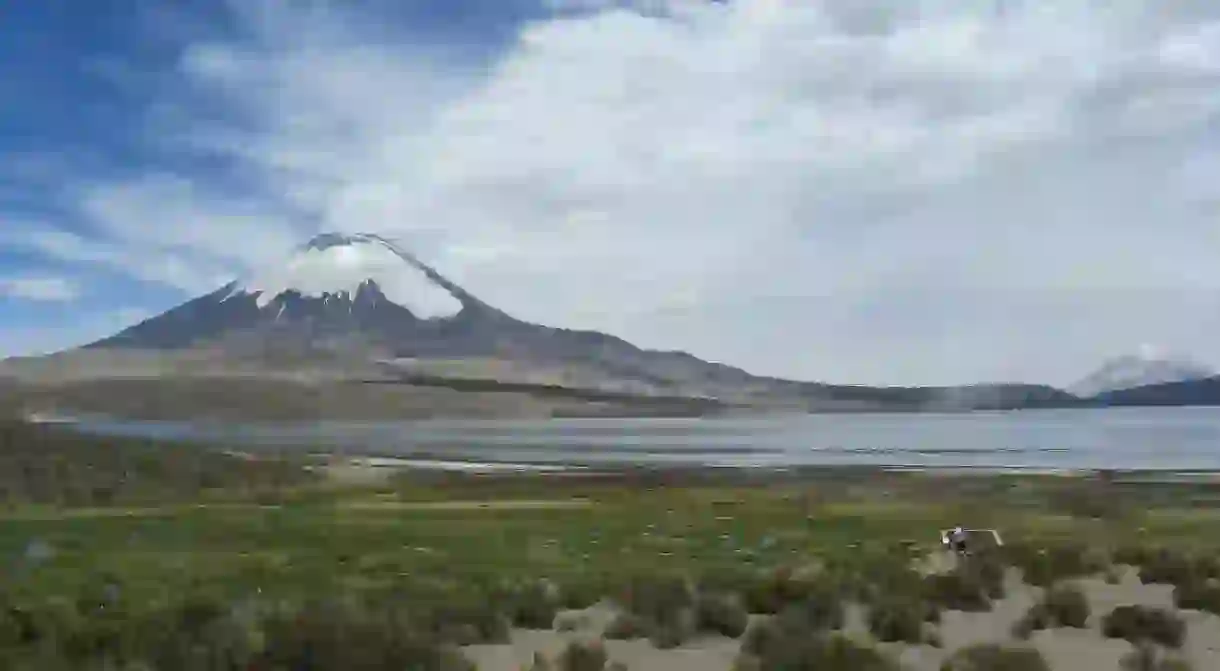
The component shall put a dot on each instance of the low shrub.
(931, 636)
(658, 598)
(767, 592)
(897, 620)
(1142, 623)
(583, 656)
(957, 591)
(1036, 618)
(1208, 567)
(994, 657)
(540, 662)
(532, 605)
(626, 626)
(1149, 657)
(828, 652)
(1044, 566)
(566, 622)
(675, 630)
(666, 610)
(986, 569)
(818, 612)
(761, 636)
(1198, 596)
(1087, 500)
(1169, 567)
(722, 614)
(1134, 555)
(1067, 606)
(583, 593)
(337, 635)
(465, 623)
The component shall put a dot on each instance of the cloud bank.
(855, 191)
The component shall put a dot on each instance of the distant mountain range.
(1149, 378)
(1147, 367)
(360, 308)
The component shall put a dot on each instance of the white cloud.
(864, 191)
(43, 289)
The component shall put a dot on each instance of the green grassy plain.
(315, 540)
(431, 544)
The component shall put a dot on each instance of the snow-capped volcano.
(354, 293)
(356, 305)
(362, 303)
(1150, 365)
(333, 266)
(365, 298)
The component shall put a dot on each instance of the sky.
(860, 191)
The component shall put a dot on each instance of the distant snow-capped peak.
(1148, 365)
(333, 265)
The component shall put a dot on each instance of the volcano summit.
(340, 267)
(336, 293)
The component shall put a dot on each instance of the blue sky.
(82, 82)
(847, 190)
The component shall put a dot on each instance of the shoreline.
(432, 464)
(941, 447)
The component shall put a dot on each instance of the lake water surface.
(1127, 438)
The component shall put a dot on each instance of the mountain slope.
(1148, 367)
(362, 298)
(1199, 392)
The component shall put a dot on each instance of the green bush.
(1198, 596)
(1170, 568)
(565, 622)
(957, 591)
(581, 594)
(1148, 657)
(824, 652)
(986, 569)
(767, 592)
(658, 598)
(464, 622)
(1067, 606)
(583, 656)
(722, 614)
(532, 605)
(1037, 618)
(1044, 566)
(1134, 555)
(540, 662)
(897, 620)
(663, 608)
(626, 626)
(819, 612)
(337, 635)
(1090, 500)
(1141, 623)
(761, 636)
(993, 657)
(675, 629)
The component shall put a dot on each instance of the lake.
(1126, 438)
